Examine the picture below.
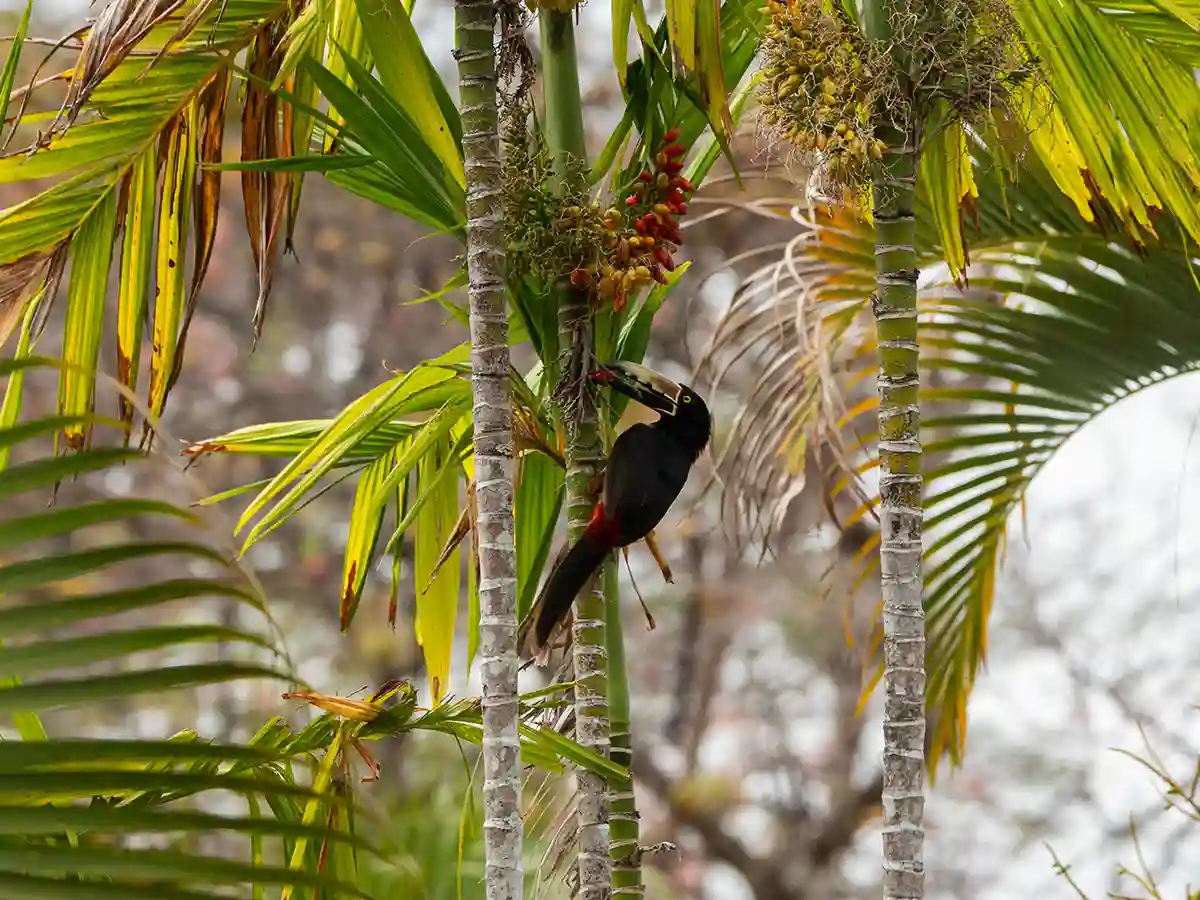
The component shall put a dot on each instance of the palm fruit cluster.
(817, 91)
(640, 236)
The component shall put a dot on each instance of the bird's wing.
(639, 486)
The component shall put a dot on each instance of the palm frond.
(408, 444)
(700, 44)
(88, 816)
(84, 816)
(1112, 119)
(146, 103)
(1060, 321)
(136, 153)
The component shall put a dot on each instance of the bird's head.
(681, 410)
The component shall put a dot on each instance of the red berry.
(645, 176)
(631, 200)
(681, 208)
(640, 226)
(675, 150)
(579, 278)
(672, 166)
(683, 184)
(671, 136)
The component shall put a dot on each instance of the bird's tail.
(570, 573)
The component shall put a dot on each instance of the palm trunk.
(895, 307)
(503, 877)
(584, 455)
(625, 833)
(589, 651)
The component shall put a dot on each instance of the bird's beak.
(646, 386)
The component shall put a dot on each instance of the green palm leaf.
(69, 805)
(104, 152)
(1121, 78)
(136, 158)
(1065, 324)
(408, 442)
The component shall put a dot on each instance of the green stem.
(564, 132)
(584, 455)
(900, 489)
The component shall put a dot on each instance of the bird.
(644, 474)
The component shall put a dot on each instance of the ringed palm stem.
(475, 22)
(584, 455)
(900, 488)
(623, 825)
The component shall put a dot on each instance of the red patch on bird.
(601, 528)
(602, 375)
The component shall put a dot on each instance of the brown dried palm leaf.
(789, 345)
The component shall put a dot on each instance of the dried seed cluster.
(968, 53)
(640, 239)
(820, 88)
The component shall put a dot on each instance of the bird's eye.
(686, 398)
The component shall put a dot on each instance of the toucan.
(646, 471)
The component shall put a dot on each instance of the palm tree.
(493, 446)
(1040, 179)
(134, 160)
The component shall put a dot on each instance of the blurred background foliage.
(758, 768)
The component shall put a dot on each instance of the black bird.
(645, 472)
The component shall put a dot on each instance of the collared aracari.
(643, 475)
